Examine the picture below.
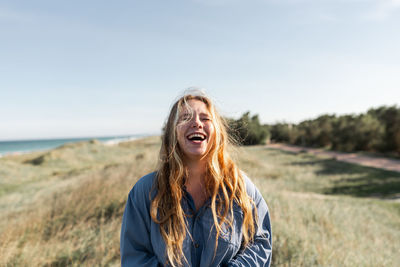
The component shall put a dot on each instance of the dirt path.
(375, 162)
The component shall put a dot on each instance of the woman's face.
(195, 131)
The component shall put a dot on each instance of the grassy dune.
(64, 206)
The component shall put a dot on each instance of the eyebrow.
(201, 114)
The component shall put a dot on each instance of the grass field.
(64, 206)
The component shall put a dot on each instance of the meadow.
(64, 206)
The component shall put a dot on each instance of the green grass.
(64, 206)
(321, 215)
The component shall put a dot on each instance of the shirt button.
(196, 245)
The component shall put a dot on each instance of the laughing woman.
(198, 208)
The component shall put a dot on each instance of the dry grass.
(64, 207)
(315, 229)
(73, 217)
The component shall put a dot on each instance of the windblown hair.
(223, 181)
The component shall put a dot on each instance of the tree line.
(377, 130)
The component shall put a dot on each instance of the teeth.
(196, 135)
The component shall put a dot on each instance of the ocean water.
(25, 146)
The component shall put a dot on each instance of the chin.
(196, 154)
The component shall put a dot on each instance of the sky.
(104, 68)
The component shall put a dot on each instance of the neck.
(195, 182)
(196, 171)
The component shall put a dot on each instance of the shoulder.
(259, 201)
(146, 182)
(143, 187)
(251, 189)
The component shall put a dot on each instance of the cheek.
(211, 131)
(180, 134)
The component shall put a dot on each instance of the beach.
(18, 147)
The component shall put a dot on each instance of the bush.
(378, 130)
(248, 130)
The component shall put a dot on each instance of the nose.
(196, 122)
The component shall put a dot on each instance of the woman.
(198, 208)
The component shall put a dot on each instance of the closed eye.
(185, 117)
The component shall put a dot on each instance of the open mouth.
(196, 137)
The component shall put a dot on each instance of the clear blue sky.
(90, 68)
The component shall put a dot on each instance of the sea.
(26, 146)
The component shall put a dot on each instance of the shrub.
(248, 130)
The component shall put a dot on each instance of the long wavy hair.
(223, 181)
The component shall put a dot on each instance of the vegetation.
(248, 130)
(378, 130)
(64, 206)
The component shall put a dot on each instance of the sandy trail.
(370, 161)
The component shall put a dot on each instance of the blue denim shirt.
(143, 245)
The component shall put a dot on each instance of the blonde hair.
(224, 183)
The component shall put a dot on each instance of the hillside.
(64, 206)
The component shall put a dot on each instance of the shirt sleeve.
(259, 252)
(136, 249)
